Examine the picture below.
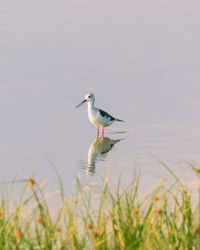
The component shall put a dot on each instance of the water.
(140, 58)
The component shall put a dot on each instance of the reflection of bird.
(97, 150)
(98, 117)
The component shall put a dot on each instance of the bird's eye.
(89, 96)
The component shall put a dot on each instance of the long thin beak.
(81, 103)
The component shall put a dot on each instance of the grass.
(121, 219)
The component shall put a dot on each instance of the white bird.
(97, 116)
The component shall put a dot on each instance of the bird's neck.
(90, 105)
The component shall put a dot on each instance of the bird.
(98, 117)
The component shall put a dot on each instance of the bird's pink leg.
(102, 132)
(97, 131)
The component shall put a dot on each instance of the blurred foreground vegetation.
(120, 219)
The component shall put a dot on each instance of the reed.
(122, 219)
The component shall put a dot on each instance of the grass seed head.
(116, 227)
(185, 189)
(157, 198)
(196, 230)
(31, 182)
(18, 234)
(40, 221)
(159, 210)
(58, 229)
(96, 234)
(197, 170)
(90, 226)
(135, 211)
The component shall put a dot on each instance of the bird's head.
(88, 98)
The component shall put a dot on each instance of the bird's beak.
(81, 103)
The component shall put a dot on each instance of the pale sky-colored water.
(140, 58)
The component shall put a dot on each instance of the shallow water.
(140, 59)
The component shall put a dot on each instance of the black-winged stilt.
(97, 116)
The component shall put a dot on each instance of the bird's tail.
(119, 120)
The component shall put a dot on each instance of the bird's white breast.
(96, 118)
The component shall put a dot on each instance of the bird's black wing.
(105, 114)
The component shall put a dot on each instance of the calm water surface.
(140, 58)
